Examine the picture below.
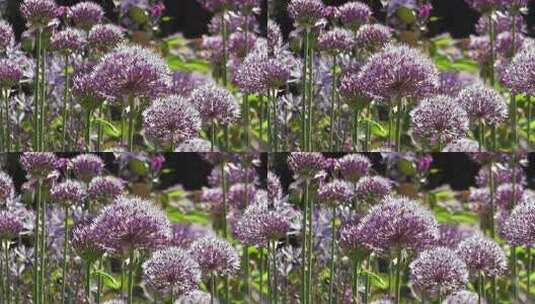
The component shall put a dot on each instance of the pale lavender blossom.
(215, 256)
(483, 255)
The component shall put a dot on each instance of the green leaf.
(195, 217)
(406, 14)
(139, 167)
(376, 279)
(192, 65)
(108, 128)
(108, 280)
(376, 128)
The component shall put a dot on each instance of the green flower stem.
(261, 117)
(131, 277)
(100, 130)
(213, 134)
(367, 281)
(514, 273)
(225, 233)
(2, 135)
(269, 279)
(399, 117)
(224, 35)
(65, 103)
(2, 291)
(43, 250)
(99, 282)
(310, 249)
(88, 114)
(481, 133)
(390, 124)
(261, 272)
(528, 99)
(65, 255)
(333, 105)
(399, 268)
(8, 122)
(333, 256)
(310, 79)
(528, 272)
(275, 276)
(212, 288)
(492, 187)
(88, 265)
(42, 102)
(246, 248)
(37, 88)
(304, 289)
(355, 280)
(367, 141)
(480, 285)
(356, 131)
(275, 133)
(37, 243)
(305, 91)
(8, 278)
(245, 96)
(131, 118)
(492, 39)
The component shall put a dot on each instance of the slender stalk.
(246, 248)
(131, 277)
(310, 109)
(528, 272)
(2, 291)
(390, 123)
(492, 39)
(100, 130)
(492, 200)
(131, 118)
(398, 277)
(99, 282)
(42, 99)
(224, 35)
(275, 276)
(37, 244)
(356, 131)
(261, 117)
(310, 248)
(355, 280)
(213, 132)
(367, 141)
(480, 288)
(224, 190)
(304, 276)
(2, 135)
(65, 254)
(43, 249)
(481, 133)
(333, 255)
(269, 115)
(245, 96)
(305, 92)
(366, 282)
(333, 104)
(88, 131)
(36, 94)
(8, 278)
(529, 120)
(261, 272)
(65, 103)
(88, 281)
(399, 117)
(514, 273)
(269, 279)
(212, 288)
(8, 122)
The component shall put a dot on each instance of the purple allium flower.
(240, 195)
(212, 49)
(215, 256)
(439, 120)
(398, 223)
(306, 12)
(104, 37)
(438, 272)
(105, 189)
(10, 73)
(38, 12)
(274, 37)
(354, 14)
(399, 71)
(7, 188)
(251, 75)
(463, 297)
(87, 166)
(518, 76)
(424, 10)
(38, 164)
(10, 225)
(350, 237)
(462, 145)
(484, 6)
(195, 297)
(68, 193)
(237, 46)
(132, 70)
(87, 91)
(335, 193)
(336, 41)
(171, 120)
(184, 235)
(85, 14)
(274, 186)
(132, 223)
(519, 228)
(86, 240)
(483, 103)
(215, 104)
(483, 255)
(452, 235)
(67, 41)
(372, 189)
(172, 271)
(7, 36)
(213, 200)
(258, 226)
(306, 164)
(216, 5)
(507, 196)
(479, 200)
(194, 145)
(354, 166)
(452, 83)
(373, 37)
(184, 82)
(503, 22)
(504, 44)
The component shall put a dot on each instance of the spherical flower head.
(11, 225)
(85, 15)
(87, 91)
(451, 83)
(399, 71)
(132, 70)
(10, 73)
(68, 193)
(38, 12)
(259, 225)
(172, 271)
(171, 120)
(7, 36)
(509, 195)
(215, 256)
(354, 166)
(184, 82)
(373, 37)
(372, 189)
(277, 72)
(132, 223)
(86, 240)
(7, 188)
(336, 41)
(194, 145)
(215, 103)
(67, 41)
(184, 235)
(462, 145)
(452, 235)
(306, 12)
(38, 164)
(484, 6)
(483, 255)
(483, 103)
(237, 45)
(354, 14)
(195, 297)
(105, 189)
(239, 195)
(104, 37)
(439, 120)
(519, 228)
(251, 75)
(87, 166)
(438, 272)
(274, 186)
(519, 76)
(335, 193)
(306, 164)
(464, 297)
(396, 224)
(350, 237)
